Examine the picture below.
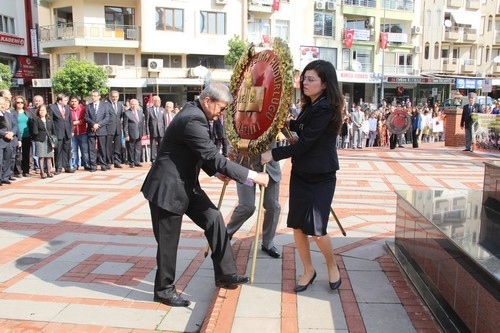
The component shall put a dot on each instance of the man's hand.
(461, 127)
(266, 157)
(262, 178)
(223, 178)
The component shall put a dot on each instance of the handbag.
(53, 140)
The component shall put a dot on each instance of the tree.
(5, 76)
(80, 78)
(236, 48)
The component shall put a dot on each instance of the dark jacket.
(186, 148)
(63, 124)
(41, 129)
(466, 119)
(315, 152)
(100, 117)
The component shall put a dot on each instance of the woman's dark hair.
(47, 116)
(326, 72)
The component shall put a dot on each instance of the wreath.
(239, 80)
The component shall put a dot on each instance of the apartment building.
(403, 49)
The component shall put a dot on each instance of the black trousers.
(114, 149)
(167, 230)
(62, 154)
(97, 150)
(154, 144)
(134, 151)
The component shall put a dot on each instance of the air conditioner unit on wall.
(331, 5)
(155, 65)
(416, 30)
(110, 70)
(221, 2)
(416, 72)
(251, 18)
(416, 49)
(319, 5)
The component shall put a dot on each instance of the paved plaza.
(77, 254)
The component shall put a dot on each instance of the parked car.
(460, 102)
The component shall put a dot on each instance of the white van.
(451, 102)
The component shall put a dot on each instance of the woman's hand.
(266, 157)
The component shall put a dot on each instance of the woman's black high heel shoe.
(299, 288)
(336, 285)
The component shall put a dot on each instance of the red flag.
(384, 40)
(276, 5)
(348, 38)
(150, 101)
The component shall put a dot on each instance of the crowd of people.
(71, 133)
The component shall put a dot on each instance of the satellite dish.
(447, 23)
(356, 66)
(496, 60)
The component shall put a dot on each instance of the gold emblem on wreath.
(251, 97)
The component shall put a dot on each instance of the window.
(169, 60)
(212, 23)
(257, 29)
(7, 25)
(282, 29)
(169, 19)
(364, 57)
(323, 25)
(117, 59)
(117, 17)
(63, 57)
(208, 61)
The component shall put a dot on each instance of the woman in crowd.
(314, 166)
(24, 120)
(43, 128)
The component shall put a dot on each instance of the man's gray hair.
(217, 92)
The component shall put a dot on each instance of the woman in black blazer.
(314, 166)
(43, 127)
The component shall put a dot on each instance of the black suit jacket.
(131, 127)
(114, 126)
(466, 119)
(40, 130)
(101, 118)
(63, 126)
(315, 151)
(186, 149)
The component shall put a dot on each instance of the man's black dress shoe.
(12, 178)
(103, 168)
(119, 166)
(299, 288)
(230, 281)
(57, 172)
(173, 300)
(138, 164)
(93, 169)
(6, 182)
(466, 150)
(69, 170)
(272, 252)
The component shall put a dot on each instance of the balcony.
(470, 35)
(81, 34)
(468, 66)
(260, 6)
(450, 65)
(472, 4)
(451, 33)
(454, 3)
(496, 68)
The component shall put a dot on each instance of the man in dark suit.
(173, 189)
(6, 136)
(60, 114)
(220, 135)
(133, 130)
(466, 121)
(97, 117)
(156, 125)
(114, 129)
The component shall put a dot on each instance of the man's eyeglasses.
(309, 79)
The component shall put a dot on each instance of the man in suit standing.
(6, 136)
(97, 117)
(246, 203)
(220, 135)
(157, 124)
(173, 189)
(133, 129)
(114, 129)
(357, 117)
(63, 123)
(466, 121)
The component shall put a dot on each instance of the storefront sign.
(360, 77)
(418, 79)
(462, 83)
(26, 68)
(11, 40)
(41, 83)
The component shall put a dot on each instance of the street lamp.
(382, 93)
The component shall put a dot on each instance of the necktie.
(95, 108)
(114, 106)
(135, 115)
(63, 112)
(168, 119)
